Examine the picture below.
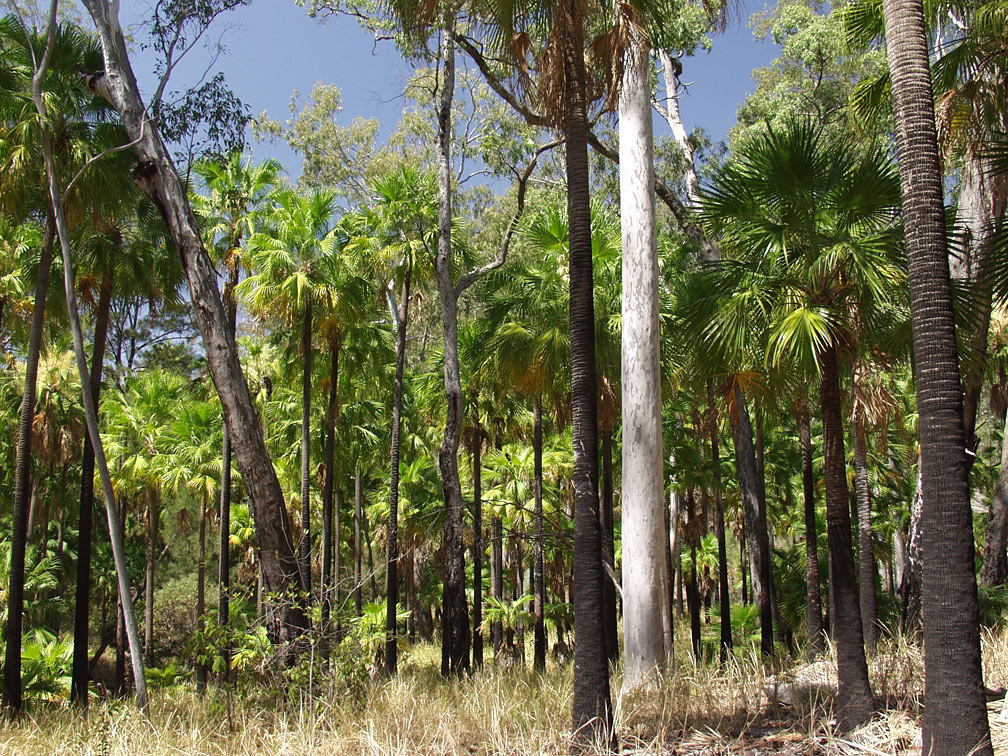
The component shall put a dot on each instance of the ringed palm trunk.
(329, 486)
(224, 546)
(454, 609)
(758, 541)
(724, 597)
(304, 550)
(201, 670)
(82, 596)
(477, 645)
(12, 696)
(854, 697)
(591, 706)
(392, 562)
(608, 547)
(813, 602)
(539, 574)
(644, 596)
(955, 710)
(866, 540)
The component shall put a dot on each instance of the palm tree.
(401, 228)
(237, 191)
(955, 717)
(293, 260)
(814, 224)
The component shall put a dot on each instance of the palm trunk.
(724, 598)
(201, 670)
(866, 541)
(955, 708)
(758, 542)
(644, 604)
(497, 578)
(304, 549)
(538, 573)
(591, 706)
(152, 529)
(12, 697)
(392, 561)
(995, 565)
(358, 576)
(477, 448)
(693, 601)
(608, 547)
(813, 602)
(329, 487)
(157, 177)
(854, 697)
(224, 545)
(79, 676)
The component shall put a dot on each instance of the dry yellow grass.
(696, 710)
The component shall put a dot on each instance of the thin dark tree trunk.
(152, 534)
(724, 598)
(224, 544)
(80, 674)
(813, 602)
(539, 570)
(742, 565)
(670, 574)
(478, 545)
(955, 707)
(201, 669)
(693, 601)
(497, 577)
(370, 553)
(392, 562)
(854, 696)
(304, 548)
(358, 576)
(759, 543)
(591, 705)
(329, 487)
(608, 548)
(12, 696)
(866, 540)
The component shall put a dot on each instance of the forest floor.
(739, 708)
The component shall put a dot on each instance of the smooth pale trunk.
(644, 578)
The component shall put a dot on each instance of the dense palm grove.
(518, 379)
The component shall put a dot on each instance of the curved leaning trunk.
(813, 600)
(955, 708)
(454, 608)
(644, 596)
(866, 540)
(392, 561)
(12, 694)
(592, 706)
(854, 697)
(157, 177)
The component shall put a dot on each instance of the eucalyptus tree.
(813, 224)
(236, 191)
(159, 179)
(955, 719)
(294, 258)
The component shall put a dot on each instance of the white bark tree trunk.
(644, 567)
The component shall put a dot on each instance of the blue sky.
(273, 48)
